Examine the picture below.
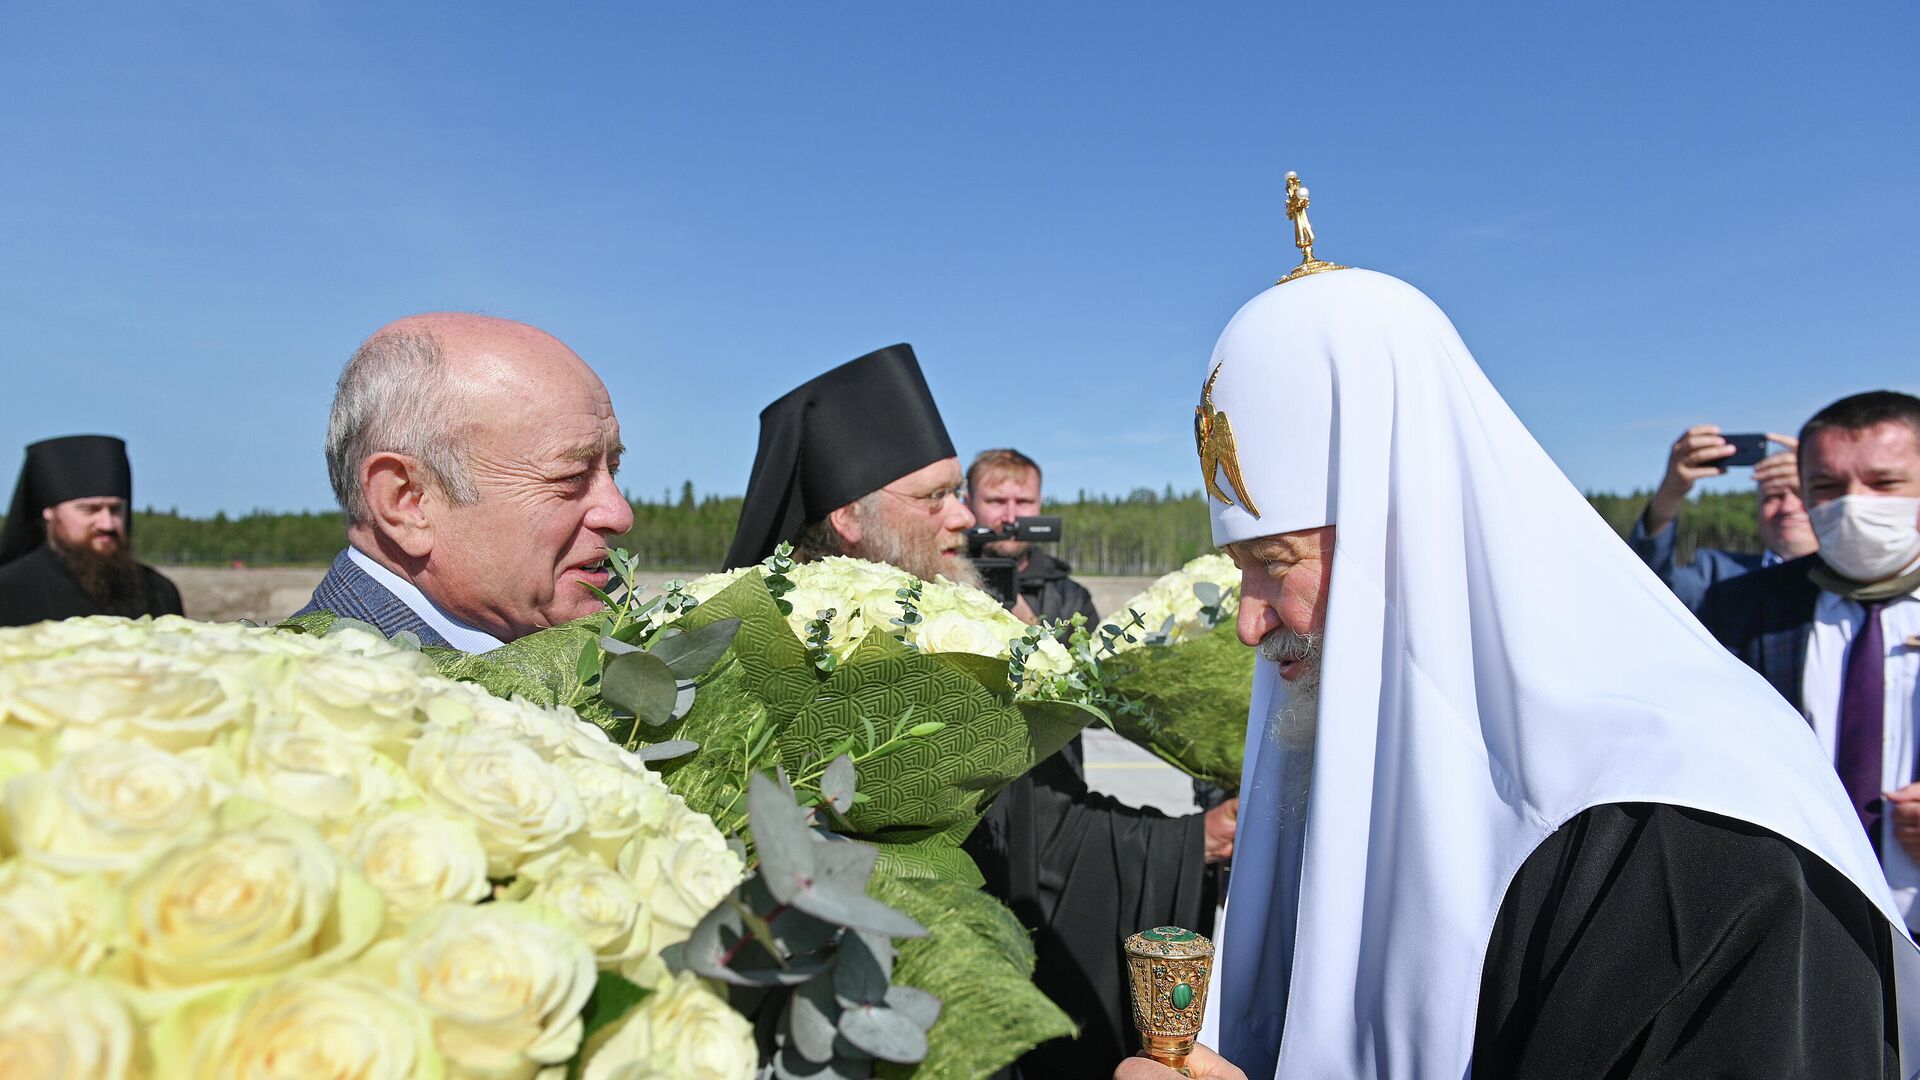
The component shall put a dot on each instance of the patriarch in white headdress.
(1507, 810)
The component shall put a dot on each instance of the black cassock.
(1084, 871)
(1644, 941)
(37, 586)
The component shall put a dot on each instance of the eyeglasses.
(933, 501)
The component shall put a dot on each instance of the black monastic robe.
(36, 586)
(1647, 941)
(1084, 871)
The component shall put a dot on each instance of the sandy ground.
(1114, 766)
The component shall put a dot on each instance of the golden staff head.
(1168, 970)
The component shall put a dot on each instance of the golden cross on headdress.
(1302, 232)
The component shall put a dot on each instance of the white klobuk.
(1495, 662)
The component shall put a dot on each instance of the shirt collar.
(1770, 558)
(458, 634)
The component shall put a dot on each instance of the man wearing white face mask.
(1838, 633)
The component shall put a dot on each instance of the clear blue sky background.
(1639, 216)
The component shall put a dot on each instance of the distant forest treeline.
(1145, 532)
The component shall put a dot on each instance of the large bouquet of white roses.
(790, 681)
(235, 852)
(1176, 679)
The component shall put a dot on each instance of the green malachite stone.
(1182, 996)
(1168, 933)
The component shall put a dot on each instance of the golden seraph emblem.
(1213, 436)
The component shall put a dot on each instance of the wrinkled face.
(1001, 497)
(97, 524)
(1784, 527)
(919, 523)
(543, 459)
(1284, 581)
(1882, 460)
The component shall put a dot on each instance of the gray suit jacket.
(351, 592)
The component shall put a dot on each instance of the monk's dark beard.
(113, 579)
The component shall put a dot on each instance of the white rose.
(681, 879)
(165, 701)
(556, 732)
(377, 701)
(1050, 658)
(318, 775)
(504, 984)
(683, 1031)
(522, 804)
(618, 803)
(261, 894)
(605, 908)
(48, 921)
(106, 809)
(56, 1026)
(339, 1025)
(953, 632)
(419, 860)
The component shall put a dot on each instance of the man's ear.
(846, 522)
(397, 488)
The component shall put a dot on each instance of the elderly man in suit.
(1838, 633)
(475, 460)
(1778, 510)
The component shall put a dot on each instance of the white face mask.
(1867, 537)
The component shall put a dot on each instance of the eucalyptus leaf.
(1207, 592)
(682, 701)
(836, 784)
(613, 646)
(836, 890)
(693, 652)
(862, 969)
(666, 750)
(344, 623)
(915, 1004)
(406, 639)
(812, 1019)
(587, 665)
(885, 1033)
(781, 836)
(642, 684)
(713, 936)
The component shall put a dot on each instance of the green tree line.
(1143, 532)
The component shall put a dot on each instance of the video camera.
(1002, 576)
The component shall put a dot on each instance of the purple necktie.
(1863, 706)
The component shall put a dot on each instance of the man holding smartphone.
(1702, 451)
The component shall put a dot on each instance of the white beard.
(1295, 722)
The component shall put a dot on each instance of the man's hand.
(1202, 1064)
(1693, 458)
(1220, 822)
(1905, 808)
(1023, 611)
(1783, 467)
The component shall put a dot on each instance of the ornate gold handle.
(1168, 970)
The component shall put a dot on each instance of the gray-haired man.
(474, 458)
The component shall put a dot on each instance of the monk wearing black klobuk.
(857, 462)
(67, 548)
(1507, 810)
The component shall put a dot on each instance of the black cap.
(71, 467)
(849, 432)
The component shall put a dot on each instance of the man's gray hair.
(395, 396)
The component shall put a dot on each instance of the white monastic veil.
(1495, 662)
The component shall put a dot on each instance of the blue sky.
(1639, 216)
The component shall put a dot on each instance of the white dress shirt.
(1835, 621)
(458, 634)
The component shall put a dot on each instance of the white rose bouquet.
(798, 677)
(225, 849)
(1171, 674)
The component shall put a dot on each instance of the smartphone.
(1747, 450)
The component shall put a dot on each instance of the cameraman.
(1003, 485)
